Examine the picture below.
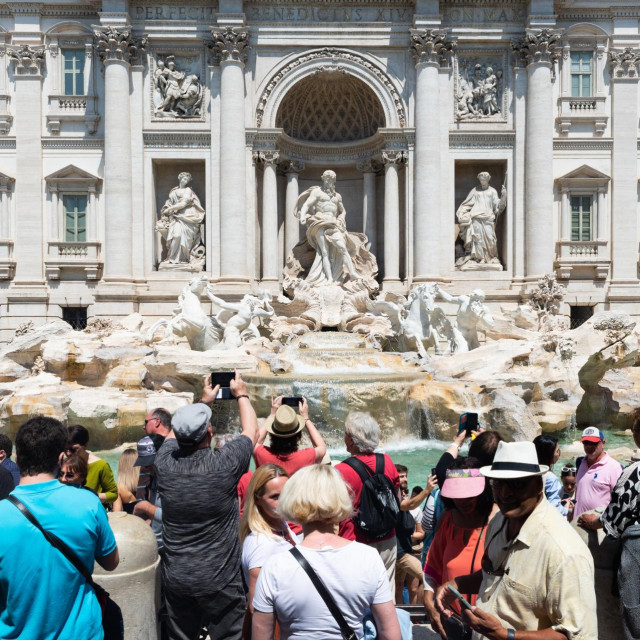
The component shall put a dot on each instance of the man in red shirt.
(285, 429)
(362, 436)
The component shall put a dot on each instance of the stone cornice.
(230, 44)
(118, 43)
(624, 63)
(166, 140)
(88, 10)
(72, 143)
(489, 140)
(430, 46)
(540, 46)
(583, 145)
(24, 7)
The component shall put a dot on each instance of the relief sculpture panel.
(177, 89)
(480, 87)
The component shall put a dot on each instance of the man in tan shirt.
(537, 578)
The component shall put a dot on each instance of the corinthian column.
(392, 160)
(291, 169)
(232, 43)
(539, 51)
(431, 49)
(624, 203)
(28, 123)
(270, 261)
(117, 49)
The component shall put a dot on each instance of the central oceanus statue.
(228, 329)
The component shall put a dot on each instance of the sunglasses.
(516, 485)
(571, 470)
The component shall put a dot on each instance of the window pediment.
(585, 176)
(72, 178)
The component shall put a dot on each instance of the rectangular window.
(75, 218)
(581, 74)
(581, 222)
(73, 72)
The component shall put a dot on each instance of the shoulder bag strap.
(359, 467)
(56, 542)
(380, 463)
(347, 632)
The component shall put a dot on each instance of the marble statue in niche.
(179, 225)
(339, 255)
(477, 217)
(479, 89)
(176, 93)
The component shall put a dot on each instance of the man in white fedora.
(284, 427)
(536, 581)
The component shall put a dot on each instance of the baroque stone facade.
(104, 104)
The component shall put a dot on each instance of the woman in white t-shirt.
(317, 498)
(263, 532)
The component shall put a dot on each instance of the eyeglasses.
(571, 470)
(487, 564)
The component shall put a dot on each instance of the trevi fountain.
(414, 362)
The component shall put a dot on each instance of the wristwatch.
(511, 634)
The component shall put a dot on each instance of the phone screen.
(223, 378)
(461, 599)
(468, 422)
(292, 401)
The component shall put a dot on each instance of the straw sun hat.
(286, 423)
(514, 460)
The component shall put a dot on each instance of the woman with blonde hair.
(317, 498)
(128, 477)
(263, 532)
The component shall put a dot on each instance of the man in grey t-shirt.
(202, 551)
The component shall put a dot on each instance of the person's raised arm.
(248, 418)
(276, 403)
(314, 435)
(411, 503)
(110, 561)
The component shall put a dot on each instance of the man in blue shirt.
(42, 596)
(6, 449)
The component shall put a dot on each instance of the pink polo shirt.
(594, 484)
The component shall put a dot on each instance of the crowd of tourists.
(304, 547)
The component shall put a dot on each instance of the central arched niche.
(330, 107)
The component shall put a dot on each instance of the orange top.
(451, 554)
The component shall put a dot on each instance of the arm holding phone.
(314, 435)
(411, 503)
(248, 418)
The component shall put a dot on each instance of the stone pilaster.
(392, 160)
(624, 203)
(431, 49)
(117, 48)
(369, 170)
(231, 45)
(538, 51)
(270, 253)
(29, 65)
(291, 169)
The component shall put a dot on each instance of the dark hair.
(483, 448)
(78, 464)
(164, 416)
(6, 445)
(400, 468)
(77, 434)
(284, 445)
(39, 443)
(545, 448)
(416, 490)
(485, 499)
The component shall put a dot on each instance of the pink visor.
(463, 483)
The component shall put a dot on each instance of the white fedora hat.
(514, 460)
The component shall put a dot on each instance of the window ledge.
(582, 110)
(72, 109)
(73, 256)
(585, 255)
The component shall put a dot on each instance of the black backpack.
(379, 507)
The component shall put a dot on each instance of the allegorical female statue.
(179, 225)
(330, 255)
(477, 217)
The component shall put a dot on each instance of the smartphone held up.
(223, 378)
(468, 423)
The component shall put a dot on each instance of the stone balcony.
(72, 109)
(7, 262)
(588, 257)
(582, 110)
(74, 258)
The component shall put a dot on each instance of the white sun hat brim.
(506, 474)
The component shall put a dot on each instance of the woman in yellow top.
(100, 476)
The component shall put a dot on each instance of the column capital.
(431, 46)
(267, 158)
(392, 156)
(537, 46)
(118, 43)
(30, 61)
(368, 166)
(624, 63)
(230, 44)
(292, 166)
